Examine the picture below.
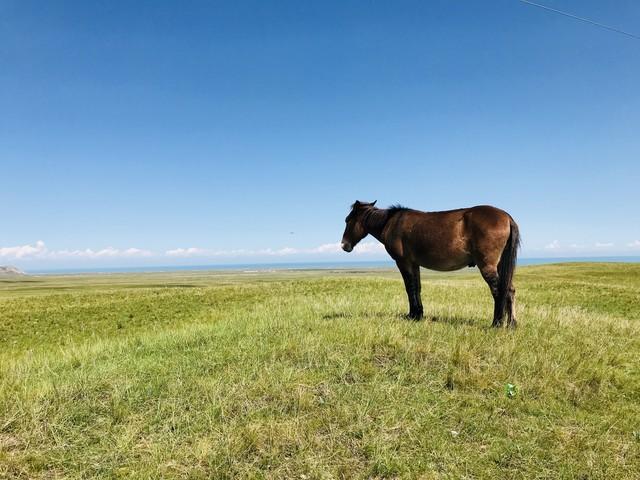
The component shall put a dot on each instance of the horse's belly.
(446, 263)
(448, 267)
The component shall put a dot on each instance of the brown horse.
(484, 236)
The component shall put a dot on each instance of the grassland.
(307, 375)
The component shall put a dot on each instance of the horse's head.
(355, 229)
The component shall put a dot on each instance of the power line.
(582, 19)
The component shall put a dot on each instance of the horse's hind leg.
(511, 308)
(490, 275)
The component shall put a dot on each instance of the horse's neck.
(375, 222)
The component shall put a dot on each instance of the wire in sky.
(582, 19)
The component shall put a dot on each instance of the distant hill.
(10, 271)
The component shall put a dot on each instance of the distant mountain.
(8, 271)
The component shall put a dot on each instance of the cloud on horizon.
(555, 245)
(40, 251)
(327, 248)
(23, 251)
(598, 248)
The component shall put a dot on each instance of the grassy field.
(318, 375)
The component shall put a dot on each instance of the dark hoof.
(496, 324)
(414, 316)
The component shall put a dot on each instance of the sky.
(164, 133)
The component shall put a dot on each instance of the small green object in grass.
(511, 390)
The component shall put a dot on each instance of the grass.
(317, 375)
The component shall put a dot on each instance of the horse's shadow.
(450, 319)
(349, 315)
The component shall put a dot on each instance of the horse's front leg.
(417, 292)
(411, 277)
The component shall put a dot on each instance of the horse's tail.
(507, 266)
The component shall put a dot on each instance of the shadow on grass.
(167, 285)
(479, 323)
(453, 320)
(348, 315)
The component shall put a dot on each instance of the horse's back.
(449, 239)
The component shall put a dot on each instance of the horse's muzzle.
(346, 246)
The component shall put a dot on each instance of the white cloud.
(369, 247)
(634, 244)
(40, 250)
(137, 252)
(555, 245)
(603, 245)
(326, 248)
(361, 248)
(273, 253)
(193, 252)
(204, 252)
(286, 251)
(186, 252)
(24, 251)
(108, 252)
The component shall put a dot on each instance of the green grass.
(309, 375)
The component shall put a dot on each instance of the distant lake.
(301, 266)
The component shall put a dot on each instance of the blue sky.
(136, 133)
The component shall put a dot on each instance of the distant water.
(261, 267)
(542, 261)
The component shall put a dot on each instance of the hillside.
(10, 271)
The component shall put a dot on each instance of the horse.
(444, 241)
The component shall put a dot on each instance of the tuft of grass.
(310, 375)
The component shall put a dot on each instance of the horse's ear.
(357, 203)
(373, 203)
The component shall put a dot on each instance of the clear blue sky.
(244, 129)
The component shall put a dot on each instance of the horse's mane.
(376, 218)
(393, 209)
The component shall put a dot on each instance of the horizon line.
(301, 265)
